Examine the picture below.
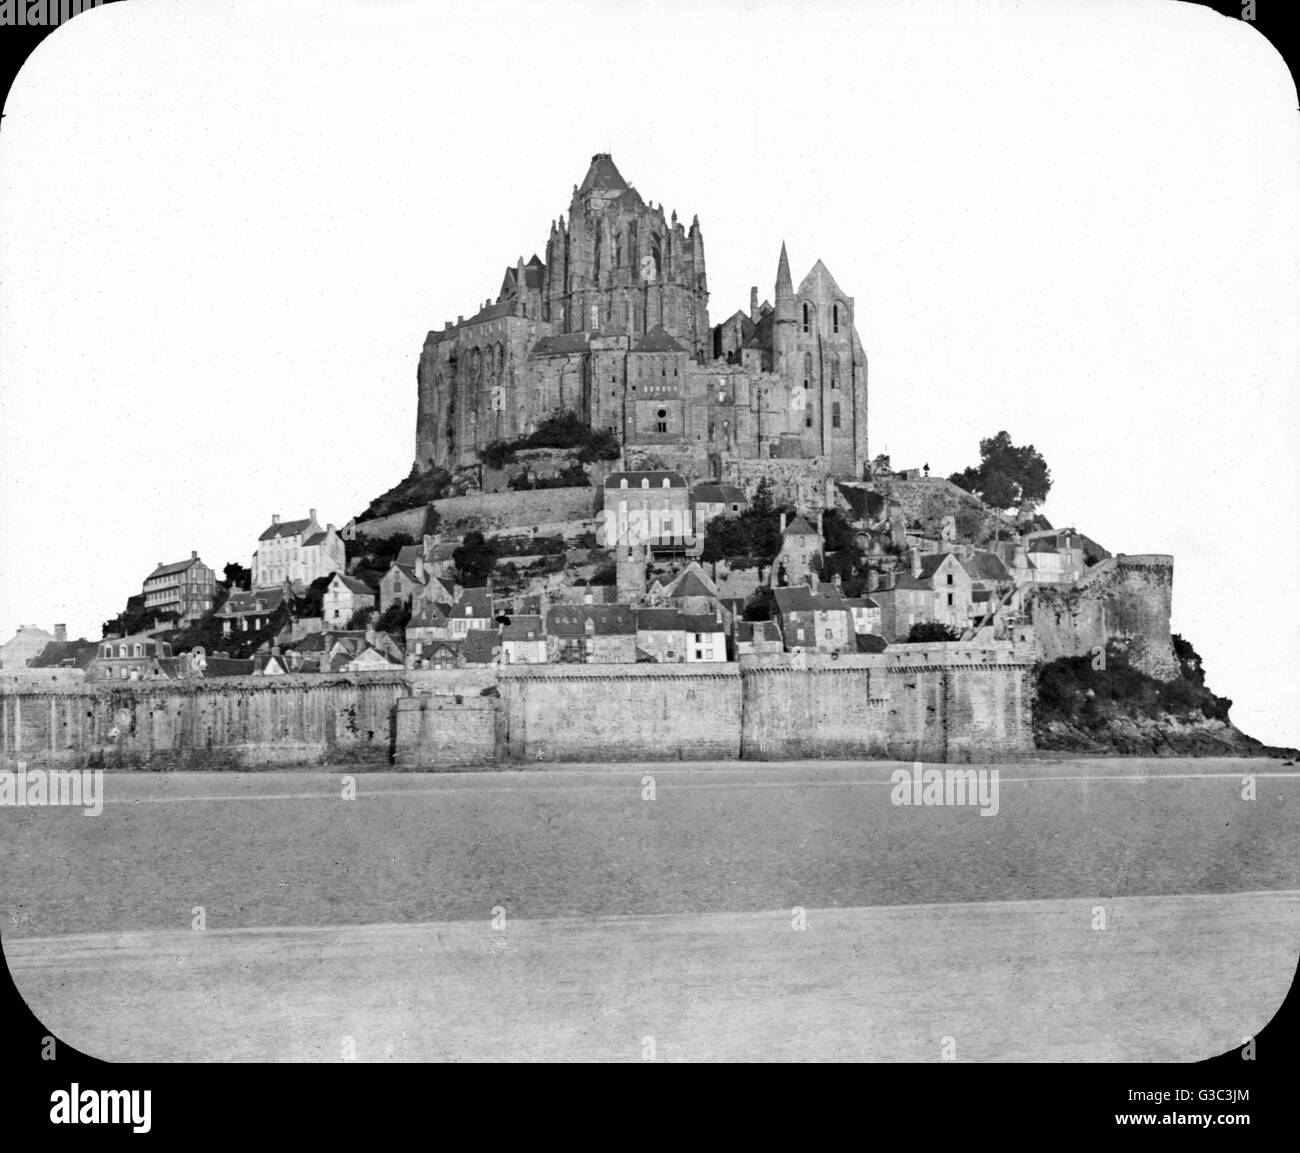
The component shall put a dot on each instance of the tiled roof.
(758, 631)
(52, 656)
(563, 344)
(602, 175)
(802, 599)
(227, 667)
(315, 539)
(475, 603)
(171, 569)
(286, 528)
(408, 554)
(634, 479)
(481, 646)
(571, 620)
(660, 620)
(690, 584)
(523, 628)
(985, 566)
(657, 340)
(800, 527)
(702, 623)
(355, 586)
(718, 494)
(428, 614)
(242, 602)
(860, 603)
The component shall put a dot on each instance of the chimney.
(812, 582)
(194, 554)
(275, 518)
(753, 304)
(873, 580)
(311, 513)
(329, 527)
(60, 632)
(419, 567)
(783, 523)
(914, 555)
(835, 580)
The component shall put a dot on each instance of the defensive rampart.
(947, 703)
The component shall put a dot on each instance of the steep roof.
(170, 569)
(800, 527)
(52, 656)
(802, 599)
(660, 620)
(657, 340)
(474, 604)
(354, 586)
(481, 646)
(819, 281)
(608, 620)
(985, 566)
(286, 528)
(602, 175)
(702, 623)
(692, 581)
(718, 494)
(524, 627)
(564, 344)
(634, 479)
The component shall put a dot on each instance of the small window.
(806, 315)
(950, 600)
(835, 318)
(950, 578)
(835, 414)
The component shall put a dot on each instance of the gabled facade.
(344, 596)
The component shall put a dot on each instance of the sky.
(225, 229)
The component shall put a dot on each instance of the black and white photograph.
(721, 532)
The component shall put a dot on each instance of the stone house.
(706, 637)
(134, 658)
(523, 640)
(756, 638)
(865, 612)
(405, 577)
(591, 634)
(815, 618)
(648, 508)
(801, 553)
(297, 551)
(249, 611)
(343, 596)
(714, 500)
(472, 611)
(661, 635)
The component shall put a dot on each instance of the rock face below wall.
(1157, 737)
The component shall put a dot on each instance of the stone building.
(614, 326)
(297, 551)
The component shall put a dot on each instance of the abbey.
(614, 326)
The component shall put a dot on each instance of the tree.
(1007, 473)
(474, 559)
(360, 618)
(395, 618)
(837, 533)
(238, 577)
(931, 631)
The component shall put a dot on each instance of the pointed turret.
(521, 295)
(783, 328)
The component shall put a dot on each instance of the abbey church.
(614, 325)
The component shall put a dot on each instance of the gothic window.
(657, 252)
(807, 316)
(835, 318)
(835, 371)
(807, 368)
(835, 414)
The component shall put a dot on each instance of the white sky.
(225, 229)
